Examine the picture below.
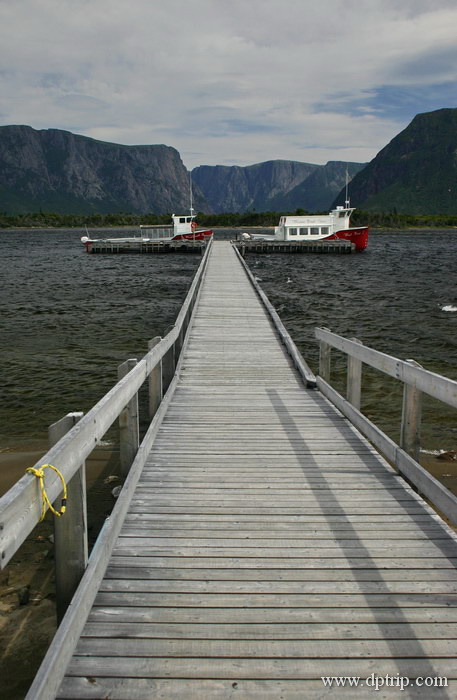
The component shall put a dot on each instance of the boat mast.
(190, 194)
(346, 202)
(191, 205)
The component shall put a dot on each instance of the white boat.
(318, 227)
(183, 228)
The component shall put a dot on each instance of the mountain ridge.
(278, 185)
(56, 170)
(416, 172)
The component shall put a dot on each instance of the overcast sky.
(230, 82)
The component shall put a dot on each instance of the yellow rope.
(46, 503)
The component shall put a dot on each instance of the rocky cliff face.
(317, 192)
(59, 171)
(416, 173)
(278, 185)
(254, 187)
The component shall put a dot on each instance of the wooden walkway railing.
(260, 542)
(72, 440)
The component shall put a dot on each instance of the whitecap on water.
(449, 307)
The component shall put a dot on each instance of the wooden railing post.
(129, 430)
(168, 368)
(325, 354)
(354, 379)
(70, 530)
(411, 418)
(155, 382)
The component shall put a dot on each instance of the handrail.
(20, 507)
(416, 380)
(430, 383)
(60, 651)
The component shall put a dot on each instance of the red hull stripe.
(358, 236)
(195, 236)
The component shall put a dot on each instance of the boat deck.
(267, 544)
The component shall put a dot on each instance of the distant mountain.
(253, 187)
(317, 192)
(275, 185)
(416, 173)
(54, 170)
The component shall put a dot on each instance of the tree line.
(389, 220)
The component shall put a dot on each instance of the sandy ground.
(27, 593)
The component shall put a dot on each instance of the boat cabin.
(181, 225)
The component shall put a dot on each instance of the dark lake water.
(68, 318)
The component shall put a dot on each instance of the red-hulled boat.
(320, 227)
(183, 228)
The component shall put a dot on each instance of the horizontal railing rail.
(416, 380)
(20, 507)
(430, 383)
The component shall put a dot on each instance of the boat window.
(292, 232)
(303, 232)
(314, 231)
(342, 214)
(182, 220)
(324, 230)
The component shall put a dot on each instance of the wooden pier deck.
(267, 543)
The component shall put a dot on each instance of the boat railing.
(154, 232)
(416, 381)
(73, 439)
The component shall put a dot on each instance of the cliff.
(54, 170)
(416, 173)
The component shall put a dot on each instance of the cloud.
(237, 82)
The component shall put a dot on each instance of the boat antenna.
(346, 202)
(190, 194)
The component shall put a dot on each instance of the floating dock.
(145, 247)
(304, 247)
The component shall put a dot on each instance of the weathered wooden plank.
(299, 615)
(290, 546)
(269, 648)
(235, 586)
(272, 630)
(253, 668)
(265, 600)
(140, 506)
(124, 568)
(327, 534)
(321, 563)
(221, 689)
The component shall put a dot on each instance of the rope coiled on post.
(45, 502)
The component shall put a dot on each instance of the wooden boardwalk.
(267, 544)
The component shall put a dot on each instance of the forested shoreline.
(384, 220)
